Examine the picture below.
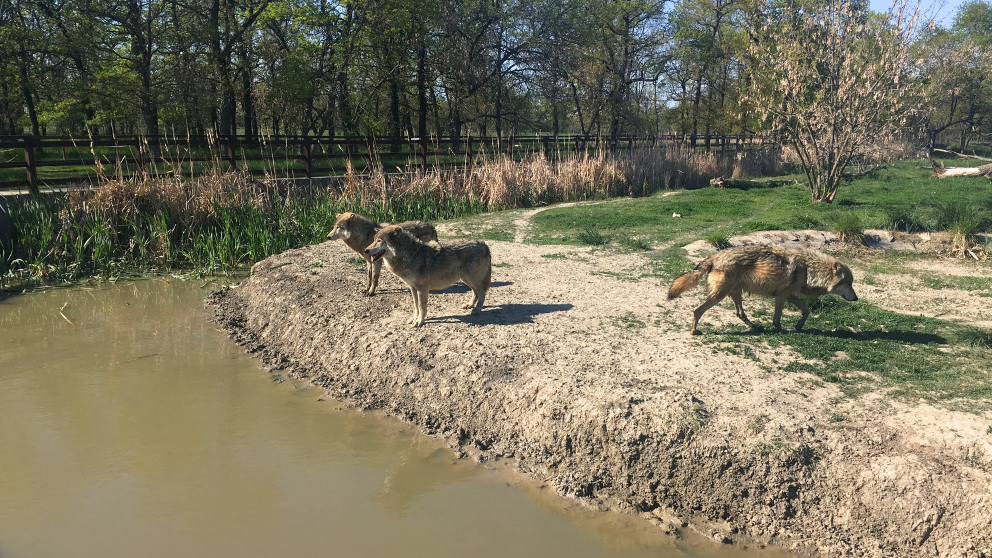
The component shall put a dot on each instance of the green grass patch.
(957, 282)
(901, 198)
(911, 357)
(632, 244)
(668, 264)
(757, 424)
(628, 321)
(555, 256)
(495, 234)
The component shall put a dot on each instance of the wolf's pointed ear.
(338, 216)
(838, 267)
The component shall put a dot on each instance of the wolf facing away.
(767, 271)
(424, 267)
(357, 232)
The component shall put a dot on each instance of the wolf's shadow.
(463, 288)
(504, 314)
(908, 337)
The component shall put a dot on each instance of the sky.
(944, 15)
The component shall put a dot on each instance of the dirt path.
(587, 377)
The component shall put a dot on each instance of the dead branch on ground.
(940, 171)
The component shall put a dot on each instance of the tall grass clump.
(849, 228)
(223, 221)
(592, 237)
(719, 240)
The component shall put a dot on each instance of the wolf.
(357, 232)
(767, 271)
(424, 267)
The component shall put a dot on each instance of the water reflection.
(131, 426)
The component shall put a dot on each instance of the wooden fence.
(60, 160)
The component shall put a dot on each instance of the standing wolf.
(767, 271)
(425, 267)
(357, 232)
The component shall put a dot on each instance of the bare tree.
(830, 78)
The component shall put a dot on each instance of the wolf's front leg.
(374, 269)
(422, 307)
(416, 307)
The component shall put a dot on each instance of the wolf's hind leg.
(798, 303)
(711, 301)
(479, 286)
(475, 296)
(739, 306)
(478, 299)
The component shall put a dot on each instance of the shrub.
(592, 237)
(719, 240)
(848, 227)
(900, 219)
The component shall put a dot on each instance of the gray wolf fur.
(767, 271)
(357, 232)
(424, 267)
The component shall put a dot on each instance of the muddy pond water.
(131, 426)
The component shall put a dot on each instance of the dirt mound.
(590, 380)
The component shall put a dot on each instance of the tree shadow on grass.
(504, 314)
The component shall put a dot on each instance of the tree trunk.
(394, 112)
(247, 101)
(422, 93)
(27, 94)
(456, 129)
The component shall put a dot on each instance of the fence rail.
(60, 160)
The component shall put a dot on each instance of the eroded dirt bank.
(593, 384)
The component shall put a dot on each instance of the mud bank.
(592, 383)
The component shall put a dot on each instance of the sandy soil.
(584, 374)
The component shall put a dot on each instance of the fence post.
(509, 146)
(370, 153)
(423, 153)
(227, 143)
(139, 156)
(305, 151)
(468, 151)
(31, 170)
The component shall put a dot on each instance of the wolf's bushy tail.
(689, 280)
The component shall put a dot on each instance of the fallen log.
(940, 171)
